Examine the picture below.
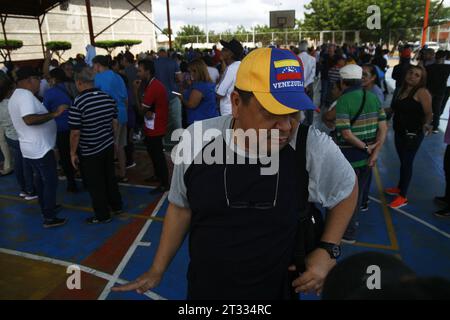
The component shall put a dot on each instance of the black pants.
(155, 151)
(406, 153)
(129, 148)
(98, 171)
(447, 173)
(445, 99)
(436, 106)
(63, 145)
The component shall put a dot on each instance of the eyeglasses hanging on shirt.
(250, 204)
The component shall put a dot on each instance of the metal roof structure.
(36, 9)
(30, 8)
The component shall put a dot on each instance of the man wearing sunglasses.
(242, 223)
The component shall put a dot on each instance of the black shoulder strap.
(300, 148)
(360, 109)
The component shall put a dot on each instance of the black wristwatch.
(333, 250)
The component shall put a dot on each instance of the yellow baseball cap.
(275, 77)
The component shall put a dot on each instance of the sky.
(222, 15)
(225, 14)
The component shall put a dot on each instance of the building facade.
(68, 22)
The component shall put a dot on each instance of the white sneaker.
(23, 194)
(131, 165)
(30, 197)
(348, 241)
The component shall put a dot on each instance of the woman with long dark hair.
(412, 118)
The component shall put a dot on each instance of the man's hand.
(373, 158)
(74, 160)
(318, 264)
(147, 281)
(427, 129)
(60, 110)
(149, 115)
(372, 147)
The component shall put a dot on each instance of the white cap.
(351, 71)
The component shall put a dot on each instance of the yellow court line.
(86, 209)
(374, 245)
(387, 216)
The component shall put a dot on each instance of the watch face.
(336, 251)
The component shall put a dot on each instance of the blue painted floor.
(422, 244)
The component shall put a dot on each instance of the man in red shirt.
(154, 105)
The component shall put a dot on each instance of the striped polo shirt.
(92, 113)
(364, 128)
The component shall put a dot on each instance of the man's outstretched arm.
(175, 227)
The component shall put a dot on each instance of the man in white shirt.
(309, 67)
(231, 55)
(37, 136)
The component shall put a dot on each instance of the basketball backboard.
(282, 19)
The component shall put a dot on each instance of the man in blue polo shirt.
(58, 95)
(110, 82)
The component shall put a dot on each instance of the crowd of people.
(94, 111)
(158, 92)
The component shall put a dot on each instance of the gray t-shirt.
(331, 177)
(6, 122)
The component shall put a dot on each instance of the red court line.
(105, 259)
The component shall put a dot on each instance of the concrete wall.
(72, 26)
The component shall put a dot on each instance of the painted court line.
(85, 269)
(120, 183)
(130, 251)
(429, 225)
(86, 209)
(144, 244)
(387, 216)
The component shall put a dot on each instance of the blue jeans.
(406, 153)
(23, 171)
(46, 182)
(362, 174)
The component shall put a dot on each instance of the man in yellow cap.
(242, 223)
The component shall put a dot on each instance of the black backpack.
(311, 224)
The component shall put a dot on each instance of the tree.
(263, 34)
(110, 45)
(58, 47)
(7, 46)
(188, 34)
(352, 15)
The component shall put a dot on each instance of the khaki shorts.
(121, 139)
